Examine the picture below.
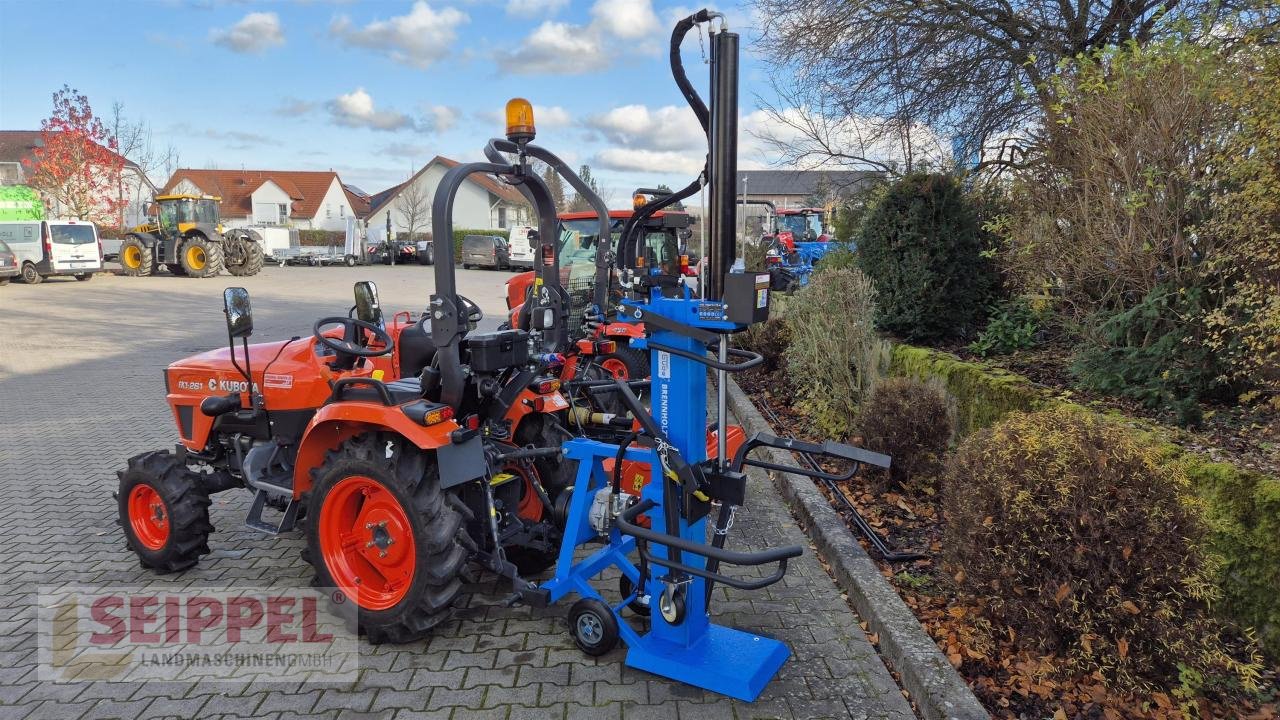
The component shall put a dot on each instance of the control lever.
(829, 448)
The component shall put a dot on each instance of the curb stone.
(935, 686)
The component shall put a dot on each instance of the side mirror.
(235, 303)
(368, 308)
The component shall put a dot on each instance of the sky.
(373, 89)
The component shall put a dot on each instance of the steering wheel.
(351, 331)
(474, 315)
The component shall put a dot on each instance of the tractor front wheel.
(200, 257)
(136, 257)
(243, 256)
(164, 511)
(383, 535)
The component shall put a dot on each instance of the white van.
(522, 253)
(53, 247)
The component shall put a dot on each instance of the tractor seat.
(416, 351)
(400, 391)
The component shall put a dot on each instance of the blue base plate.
(727, 661)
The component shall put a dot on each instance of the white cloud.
(558, 48)
(356, 109)
(636, 126)
(255, 33)
(555, 48)
(442, 118)
(627, 19)
(293, 107)
(534, 8)
(649, 161)
(417, 39)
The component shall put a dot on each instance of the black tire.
(349, 261)
(132, 249)
(176, 269)
(248, 252)
(640, 605)
(636, 361)
(200, 257)
(30, 275)
(593, 626)
(466, 266)
(84, 277)
(185, 509)
(410, 477)
(431, 255)
(424, 257)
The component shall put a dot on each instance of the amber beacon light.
(520, 120)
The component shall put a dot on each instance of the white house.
(482, 203)
(135, 189)
(301, 199)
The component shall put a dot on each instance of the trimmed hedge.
(321, 238)
(1242, 507)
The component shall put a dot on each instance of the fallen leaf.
(955, 612)
(1122, 647)
(960, 576)
(1130, 608)
(1059, 714)
(955, 660)
(1063, 591)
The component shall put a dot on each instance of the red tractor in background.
(578, 243)
(800, 225)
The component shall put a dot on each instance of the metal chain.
(733, 512)
(702, 48)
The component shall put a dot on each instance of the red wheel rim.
(148, 517)
(366, 540)
(530, 507)
(616, 368)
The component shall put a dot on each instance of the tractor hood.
(288, 373)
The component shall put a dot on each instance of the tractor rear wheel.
(136, 257)
(626, 363)
(200, 257)
(382, 533)
(164, 511)
(243, 256)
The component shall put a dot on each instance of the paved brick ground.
(80, 389)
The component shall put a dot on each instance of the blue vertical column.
(679, 405)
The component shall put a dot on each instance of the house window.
(502, 216)
(328, 210)
(284, 212)
(342, 211)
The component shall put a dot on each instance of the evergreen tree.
(556, 186)
(579, 203)
(679, 205)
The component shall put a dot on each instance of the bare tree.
(414, 206)
(972, 69)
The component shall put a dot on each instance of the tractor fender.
(206, 230)
(146, 238)
(336, 422)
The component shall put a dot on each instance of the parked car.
(485, 251)
(8, 264)
(53, 247)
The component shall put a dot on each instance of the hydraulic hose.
(628, 242)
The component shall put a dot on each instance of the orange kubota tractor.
(397, 484)
(605, 344)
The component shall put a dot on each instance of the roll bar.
(447, 310)
(494, 151)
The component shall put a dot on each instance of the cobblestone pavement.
(81, 391)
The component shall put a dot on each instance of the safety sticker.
(273, 380)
